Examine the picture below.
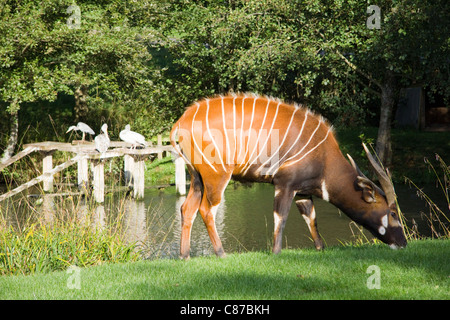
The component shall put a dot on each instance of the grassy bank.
(421, 271)
(160, 172)
(42, 247)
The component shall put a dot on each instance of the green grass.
(160, 172)
(41, 248)
(421, 271)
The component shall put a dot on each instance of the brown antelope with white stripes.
(260, 139)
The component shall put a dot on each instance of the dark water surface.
(244, 219)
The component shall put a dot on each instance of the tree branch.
(354, 67)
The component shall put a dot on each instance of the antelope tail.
(173, 140)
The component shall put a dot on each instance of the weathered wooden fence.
(134, 161)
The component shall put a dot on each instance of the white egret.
(102, 140)
(132, 137)
(83, 127)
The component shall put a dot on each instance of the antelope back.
(248, 134)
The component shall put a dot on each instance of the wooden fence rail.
(40, 178)
(133, 165)
(18, 156)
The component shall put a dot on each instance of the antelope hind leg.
(208, 213)
(306, 208)
(189, 212)
(212, 196)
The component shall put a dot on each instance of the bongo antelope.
(260, 139)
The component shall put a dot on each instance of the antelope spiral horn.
(383, 177)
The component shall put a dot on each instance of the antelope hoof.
(184, 256)
(318, 244)
(221, 253)
(276, 250)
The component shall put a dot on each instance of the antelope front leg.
(306, 208)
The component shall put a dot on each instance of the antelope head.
(382, 218)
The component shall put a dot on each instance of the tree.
(323, 53)
(409, 47)
(95, 52)
(257, 46)
(22, 77)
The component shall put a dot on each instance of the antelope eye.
(393, 215)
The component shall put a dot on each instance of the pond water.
(244, 219)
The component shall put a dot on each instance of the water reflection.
(47, 209)
(95, 213)
(244, 219)
(135, 221)
(164, 227)
(200, 241)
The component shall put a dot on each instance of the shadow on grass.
(418, 272)
(421, 271)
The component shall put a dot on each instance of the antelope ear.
(368, 189)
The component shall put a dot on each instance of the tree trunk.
(81, 108)
(383, 146)
(13, 137)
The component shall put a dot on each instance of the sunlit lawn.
(421, 271)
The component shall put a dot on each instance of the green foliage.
(142, 62)
(267, 47)
(40, 247)
(317, 52)
(43, 55)
(160, 171)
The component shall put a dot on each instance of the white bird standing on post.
(102, 140)
(132, 137)
(83, 127)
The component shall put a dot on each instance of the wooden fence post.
(138, 177)
(99, 180)
(47, 166)
(42, 177)
(160, 154)
(83, 173)
(128, 166)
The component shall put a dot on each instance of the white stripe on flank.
(195, 142)
(250, 129)
(212, 139)
(271, 127)
(227, 156)
(282, 142)
(241, 131)
(326, 136)
(234, 129)
(293, 144)
(257, 139)
(307, 143)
